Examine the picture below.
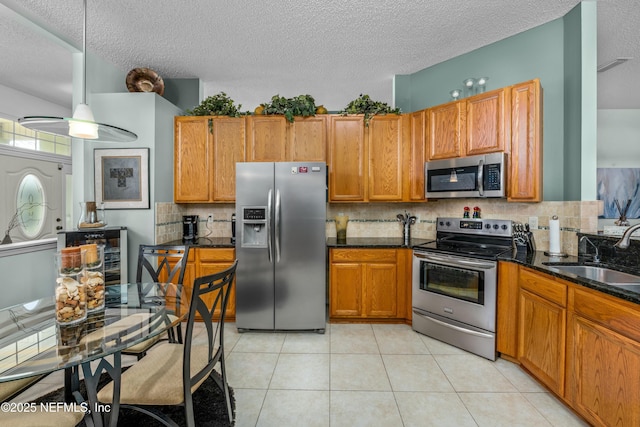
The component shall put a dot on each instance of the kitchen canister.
(93, 277)
(341, 227)
(71, 298)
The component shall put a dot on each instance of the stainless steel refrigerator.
(281, 246)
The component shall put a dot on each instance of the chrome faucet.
(623, 243)
(596, 257)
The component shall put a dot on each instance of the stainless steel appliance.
(473, 176)
(190, 228)
(281, 246)
(455, 282)
(114, 240)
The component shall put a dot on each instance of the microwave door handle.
(481, 178)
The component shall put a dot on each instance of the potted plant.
(217, 105)
(367, 106)
(301, 105)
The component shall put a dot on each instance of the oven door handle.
(456, 262)
(454, 327)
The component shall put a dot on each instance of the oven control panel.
(492, 227)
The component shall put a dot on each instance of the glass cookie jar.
(70, 291)
(93, 277)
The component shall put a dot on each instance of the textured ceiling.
(252, 49)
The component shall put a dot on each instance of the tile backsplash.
(379, 219)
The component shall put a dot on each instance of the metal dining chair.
(37, 416)
(160, 264)
(169, 374)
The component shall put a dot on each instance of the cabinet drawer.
(544, 286)
(363, 255)
(216, 254)
(620, 316)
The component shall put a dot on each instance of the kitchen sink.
(600, 274)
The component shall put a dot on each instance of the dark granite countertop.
(374, 242)
(206, 242)
(541, 262)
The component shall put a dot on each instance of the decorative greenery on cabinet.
(301, 105)
(367, 106)
(217, 105)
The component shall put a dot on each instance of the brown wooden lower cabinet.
(205, 261)
(369, 284)
(603, 369)
(542, 326)
(582, 344)
(507, 311)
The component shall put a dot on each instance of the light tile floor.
(378, 375)
(371, 375)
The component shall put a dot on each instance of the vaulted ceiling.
(331, 49)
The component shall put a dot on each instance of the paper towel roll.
(554, 236)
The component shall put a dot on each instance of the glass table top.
(32, 343)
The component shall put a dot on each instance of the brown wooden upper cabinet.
(366, 163)
(417, 156)
(525, 177)
(486, 123)
(273, 139)
(470, 126)
(206, 149)
(503, 120)
(346, 159)
(446, 130)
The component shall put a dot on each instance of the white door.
(34, 189)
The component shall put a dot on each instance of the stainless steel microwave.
(464, 177)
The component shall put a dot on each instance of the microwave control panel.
(492, 177)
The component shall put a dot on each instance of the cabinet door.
(228, 148)
(417, 156)
(486, 122)
(385, 158)
(266, 139)
(446, 130)
(541, 339)
(525, 164)
(192, 179)
(603, 376)
(346, 159)
(346, 290)
(211, 261)
(307, 139)
(381, 290)
(507, 310)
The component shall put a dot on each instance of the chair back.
(210, 294)
(162, 264)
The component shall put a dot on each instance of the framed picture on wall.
(619, 188)
(122, 178)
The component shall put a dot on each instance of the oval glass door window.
(31, 206)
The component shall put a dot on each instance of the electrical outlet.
(533, 222)
(210, 219)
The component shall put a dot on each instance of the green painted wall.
(539, 52)
(183, 93)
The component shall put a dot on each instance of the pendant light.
(82, 124)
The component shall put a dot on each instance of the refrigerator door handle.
(277, 225)
(269, 208)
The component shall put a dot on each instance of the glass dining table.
(32, 343)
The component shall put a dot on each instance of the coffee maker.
(190, 228)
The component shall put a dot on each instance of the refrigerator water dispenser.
(254, 227)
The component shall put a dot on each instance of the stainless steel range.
(455, 282)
